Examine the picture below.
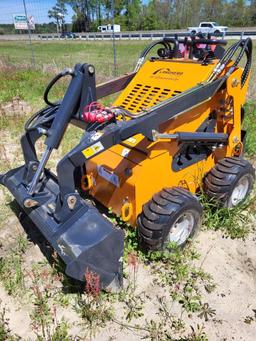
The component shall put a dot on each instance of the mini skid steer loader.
(174, 129)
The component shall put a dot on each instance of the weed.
(197, 334)
(135, 307)
(54, 331)
(158, 331)
(175, 324)
(131, 243)
(175, 269)
(22, 243)
(134, 303)
(133, 263)
(95, 312)
(5, 331)
(206, 312)
(62, 299)
(41, 316)
(234, 222)
(5, 211)
(92, 283)
(11, 272)
(60, 332)
(44, 319)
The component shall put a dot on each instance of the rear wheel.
(230, 181)
(217, 32)
(173, 215)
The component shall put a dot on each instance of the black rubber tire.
(217, 33)
(221, 181)
(193, 32)
(161, 213)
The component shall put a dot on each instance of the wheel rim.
(182, 228)
(240, 191)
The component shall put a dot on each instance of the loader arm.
(94, 143)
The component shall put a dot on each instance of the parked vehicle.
(209, 27)
(68, 35)
(109, 28)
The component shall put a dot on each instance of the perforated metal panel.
(159, 80)
(145, 96)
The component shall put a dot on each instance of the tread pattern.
(155, 220)
(220, 181)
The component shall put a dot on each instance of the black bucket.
(86, 241)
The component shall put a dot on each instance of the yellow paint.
(86, 182)
(126, 211)
(147, 167)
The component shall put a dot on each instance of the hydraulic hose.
(43, 116)
(65, 72)
(175, 41)
(246, 48)
(146, 51)
(47, 114)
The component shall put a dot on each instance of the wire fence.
(49, 51)
(43, 56)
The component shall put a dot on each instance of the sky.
(37, 8)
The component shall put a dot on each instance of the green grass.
(234, 222)
(11, 271)
(250, 127)
(18, 78)
(66, 54)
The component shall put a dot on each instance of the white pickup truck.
(209, 27)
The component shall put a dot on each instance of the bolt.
(235, 82)
(71, 201)
(34, 168)
(29, 203)
(91, 69)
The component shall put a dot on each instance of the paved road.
(143, 35)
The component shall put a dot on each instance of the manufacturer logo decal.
(166, 72)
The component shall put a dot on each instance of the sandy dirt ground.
(232, 263)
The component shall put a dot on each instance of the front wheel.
(230, 181)
(172, 216)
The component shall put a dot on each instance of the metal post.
(114, 40)
(29, 33)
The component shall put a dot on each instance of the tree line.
(156, 14)
(145, 15)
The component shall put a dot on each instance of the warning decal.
(94, 149)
